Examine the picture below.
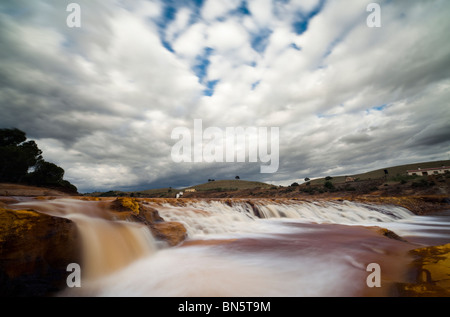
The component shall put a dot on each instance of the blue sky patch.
(201, 67)
(260, 40)
(295, 46)
(379, 108)
(210, 85)
(169, 12)
(255, 84)
(242, 9)
(300, 25)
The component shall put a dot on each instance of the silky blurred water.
(262, 248)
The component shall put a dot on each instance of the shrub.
(422, 183)
(329, 185)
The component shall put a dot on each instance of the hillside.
(376, 184)
(8, 189)
(169, 192)
(393, 172)
(229, 185)
(396, 182)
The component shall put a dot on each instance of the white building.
(429, 171)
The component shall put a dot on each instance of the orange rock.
(35, 250)
(432, 271)
(171, 232)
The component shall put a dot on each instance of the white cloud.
(262, 11)
(102, 101)
(191, 42)
(214, 9)
(179, 25)
(227, 36)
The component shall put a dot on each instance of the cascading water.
(107, 245)
(255, 247)
(208, 217)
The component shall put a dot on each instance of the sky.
(101, 100)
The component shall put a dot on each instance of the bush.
(329, 185)
(422, 183)
(403, 178)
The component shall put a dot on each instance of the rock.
(131, 209)
(389, 234)
(125, 204)
(170, 231)
(150, 214)
(35, 250)
(432, 271)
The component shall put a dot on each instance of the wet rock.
(389, 234)
(170, 231)
(125, 204)
(35, 250)
(431, 269)
(134, 210)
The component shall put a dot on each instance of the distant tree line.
(21, 161)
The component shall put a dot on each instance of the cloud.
(215, 9)
(102, 100)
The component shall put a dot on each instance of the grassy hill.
(213, 186)
(229, 185)
(365, 182)
(393, 172)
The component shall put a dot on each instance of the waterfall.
(246, 247)
(107, 245)
(203, 217)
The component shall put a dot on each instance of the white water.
(202, 217)
(107, 244)
(262, 248)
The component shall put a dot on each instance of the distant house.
(349, 179)
(190, 190)
(429, 171)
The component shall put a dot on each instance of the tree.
(329, 185)
(21, 161)
(307, 179)
(46, 173)
(294, 184)
(17, 156)
(11, 137)
(237, 177)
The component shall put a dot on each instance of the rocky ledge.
(430, 273)
(127, 208)
(35, 248)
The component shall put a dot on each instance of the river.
(240, 247)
